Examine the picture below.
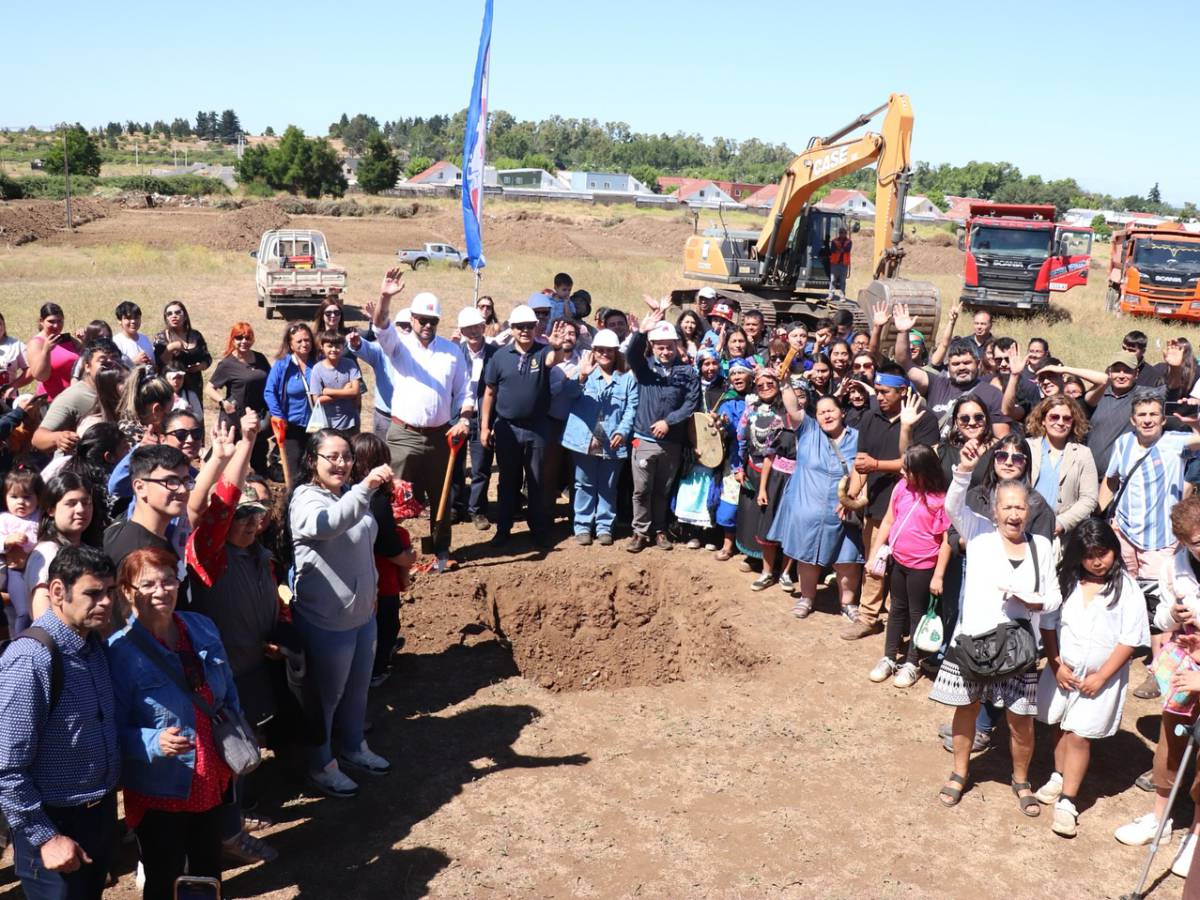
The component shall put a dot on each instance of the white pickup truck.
(440, 252)
(294, 270)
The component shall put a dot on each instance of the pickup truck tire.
(419, 264)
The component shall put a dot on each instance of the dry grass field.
(648, 727)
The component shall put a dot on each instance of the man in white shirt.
(429, 400)
(136, 349)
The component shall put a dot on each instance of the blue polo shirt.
(521, 382)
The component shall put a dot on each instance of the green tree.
(268, 131)
(538, 161)
(1101, 228)
(82, 150)
(229, 127)
(296, 164)
(254, 164)
(180, 128)
(202, 125)
(416, 165)
(1188, 211)
(356, 131)
(647, 175)
(1155, 196)
(378, 168)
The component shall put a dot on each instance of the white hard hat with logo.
(468, 317)
(522, 315)
(663, 331)
(426, 304)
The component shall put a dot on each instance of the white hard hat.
(426, 304)
(405, 315)
(539, 301)
(707, 293)
(468, 317)
(606, 337)
(663, 331)
(522, 315)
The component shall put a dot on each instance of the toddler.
(18, 536)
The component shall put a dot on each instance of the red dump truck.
(1016, 255)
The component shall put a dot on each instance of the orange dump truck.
(1154, 270)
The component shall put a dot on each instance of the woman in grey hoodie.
(333, 533)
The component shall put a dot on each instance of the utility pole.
(135, 158)
(67, 178)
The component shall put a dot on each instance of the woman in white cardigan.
(1010, 574)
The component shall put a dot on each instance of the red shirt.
(211, 777)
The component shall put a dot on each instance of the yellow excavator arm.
(828, 159)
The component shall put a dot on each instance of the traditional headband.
(706, 353)
(741, 362)
(883, 379)
(767, 373)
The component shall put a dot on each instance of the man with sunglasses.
(962, 376)
(517, 393)
(879, 459)
(430, 405)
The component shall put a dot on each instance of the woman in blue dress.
(809, 523)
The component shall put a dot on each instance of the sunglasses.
(424, 320)
(862, 367)
(243, 337)
(1066, 419)
(542, 313)
(404, 326)
(182, 434)
(972, 419)
(777, 356)
(1008, 456)
(523, 326)
(332, 314)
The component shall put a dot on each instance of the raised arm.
(968, 523)
(880, 316)
(938, 357)
(904, 323)
(795, 409)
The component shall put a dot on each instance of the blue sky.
(1053, 88)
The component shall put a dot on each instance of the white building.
(851, 203)
(600, 182)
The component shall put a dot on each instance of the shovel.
(455, 442)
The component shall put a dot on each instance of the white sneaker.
(1051, 790)
(366, 761)
(1183, 859)
(1141, 831)
(1066, 817)
(332, 782)
(907, 676)
(884, 669)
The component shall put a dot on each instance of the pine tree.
(378, 169)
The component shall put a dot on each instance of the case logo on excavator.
(835, 157)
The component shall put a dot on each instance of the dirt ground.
(599, 724)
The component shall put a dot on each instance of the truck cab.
(1016, 255)
(1154, 270)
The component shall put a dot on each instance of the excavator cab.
(804, 265)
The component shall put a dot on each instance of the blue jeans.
(595, 493)
(94, 829)
(339, 662)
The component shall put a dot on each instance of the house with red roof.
(958, 209)
(848, 202)
(763, 198)
(703, 193)
(737, 191)
(440, 173)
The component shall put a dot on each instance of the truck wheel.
(463, 263)
(1112, 300)
(270, 312)
(419, 264)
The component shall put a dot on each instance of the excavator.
(782, 270)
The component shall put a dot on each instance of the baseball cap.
(249, 502)
(1128, 360)
(523, 315)
(606, 337)
(468, 317)
(426, 304)
(663, 331)
(539, 301)
(722, 311)
(707, 293)
(405, 315)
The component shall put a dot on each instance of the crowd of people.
(172, 568)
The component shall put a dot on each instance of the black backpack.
(57, 674)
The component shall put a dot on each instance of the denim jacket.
(606, 406)
(147, 702)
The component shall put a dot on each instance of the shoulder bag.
(878, 563)
(1005, 651)
(231, 732)
(1111, 510)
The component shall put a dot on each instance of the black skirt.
(754, 521)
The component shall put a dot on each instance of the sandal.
(802, 607)
(1029, 804)
(949, 796)
(723, 555)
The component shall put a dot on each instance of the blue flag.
(474, 141)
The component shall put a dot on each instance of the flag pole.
(475, 151)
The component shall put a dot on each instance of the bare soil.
(23, 221)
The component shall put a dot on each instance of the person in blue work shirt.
(59, 763)
(517, 393)
(668, 394)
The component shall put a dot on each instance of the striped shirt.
(67, 757)
(1144, 513)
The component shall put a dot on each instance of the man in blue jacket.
(668, 394)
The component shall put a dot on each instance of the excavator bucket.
(923, 299)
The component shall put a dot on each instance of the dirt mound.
(931, 256)
(606, 626)
(22, 221)
(241, 229)
(662, 235)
